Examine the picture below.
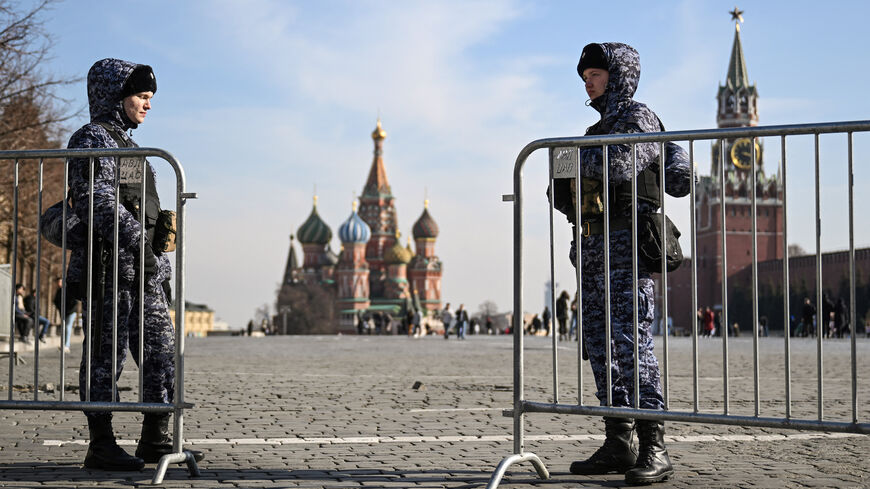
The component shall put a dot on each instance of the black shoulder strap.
(119, 139)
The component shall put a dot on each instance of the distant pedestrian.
(841, 318)
(562, 314)
(461, 321)
(43, 323)
(709, 322)
(417, 322)
(67, 312)
(23, 321)
(572, 333)
(545, 318)
(488, 324)
(447, 320)
(535, 325)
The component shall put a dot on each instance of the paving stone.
(328, 412)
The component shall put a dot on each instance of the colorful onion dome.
(425, 226)
(354, 229)
(314, 230)
(398, 254)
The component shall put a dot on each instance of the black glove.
(150, 261)
(167, 289)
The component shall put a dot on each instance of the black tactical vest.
(130, 193)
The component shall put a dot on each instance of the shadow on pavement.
(73, 474)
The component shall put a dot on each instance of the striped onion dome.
(314, 230)
(398, 254)
(425, 226)
(354, 229)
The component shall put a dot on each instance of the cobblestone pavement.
(338, 412)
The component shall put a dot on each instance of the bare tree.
(795, 249)
(25, 48)
(32, 116)
(488, 308)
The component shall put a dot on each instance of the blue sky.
(262, 100)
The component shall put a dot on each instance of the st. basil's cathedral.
(372, 272)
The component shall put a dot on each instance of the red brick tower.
(737, 107)
(378, 210)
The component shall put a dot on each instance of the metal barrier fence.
(564, 151)
(138, 155)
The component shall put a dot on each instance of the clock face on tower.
(741, 153)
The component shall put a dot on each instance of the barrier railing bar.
(694, 244)
(608, 341)
(634, 271)
(115, 291)
(579, 274)
(820, 321)
(518, 305)
(178, 418)
(90, 293)
(12, 331)
(755, 319)
(786, 286)
(553, 320)
(853, 325)
(664, 265)
(654, 137)
(63, 290)
(37, 327)
(711, 418)
(141, 281)
(139, 407)
(724, 325)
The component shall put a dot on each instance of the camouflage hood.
(106, 79)
(624, 73)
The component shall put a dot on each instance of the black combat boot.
(104, 452)
(653, 463)
(618, 454)
(155, 441)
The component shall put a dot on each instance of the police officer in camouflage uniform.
(611, 72)
(119, 97)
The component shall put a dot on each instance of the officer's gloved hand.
(150, 262)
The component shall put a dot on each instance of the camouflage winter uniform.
(620, 114)
(105, 82)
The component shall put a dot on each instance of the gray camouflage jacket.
(106, 79)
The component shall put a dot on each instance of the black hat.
(140, 80)
(592, 57)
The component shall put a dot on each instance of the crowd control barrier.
(563, 163)
(136, 164)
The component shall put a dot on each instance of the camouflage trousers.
(621, 341)
(158, 364)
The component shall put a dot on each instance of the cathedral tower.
(352, 272)
(424, 270)
(378, 210)
(314, 234)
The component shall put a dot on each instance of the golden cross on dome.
(737, 16)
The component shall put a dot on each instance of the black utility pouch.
(649, 243)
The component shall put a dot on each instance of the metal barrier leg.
(174, 458)
(516, 458)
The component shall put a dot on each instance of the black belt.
(589, 228)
